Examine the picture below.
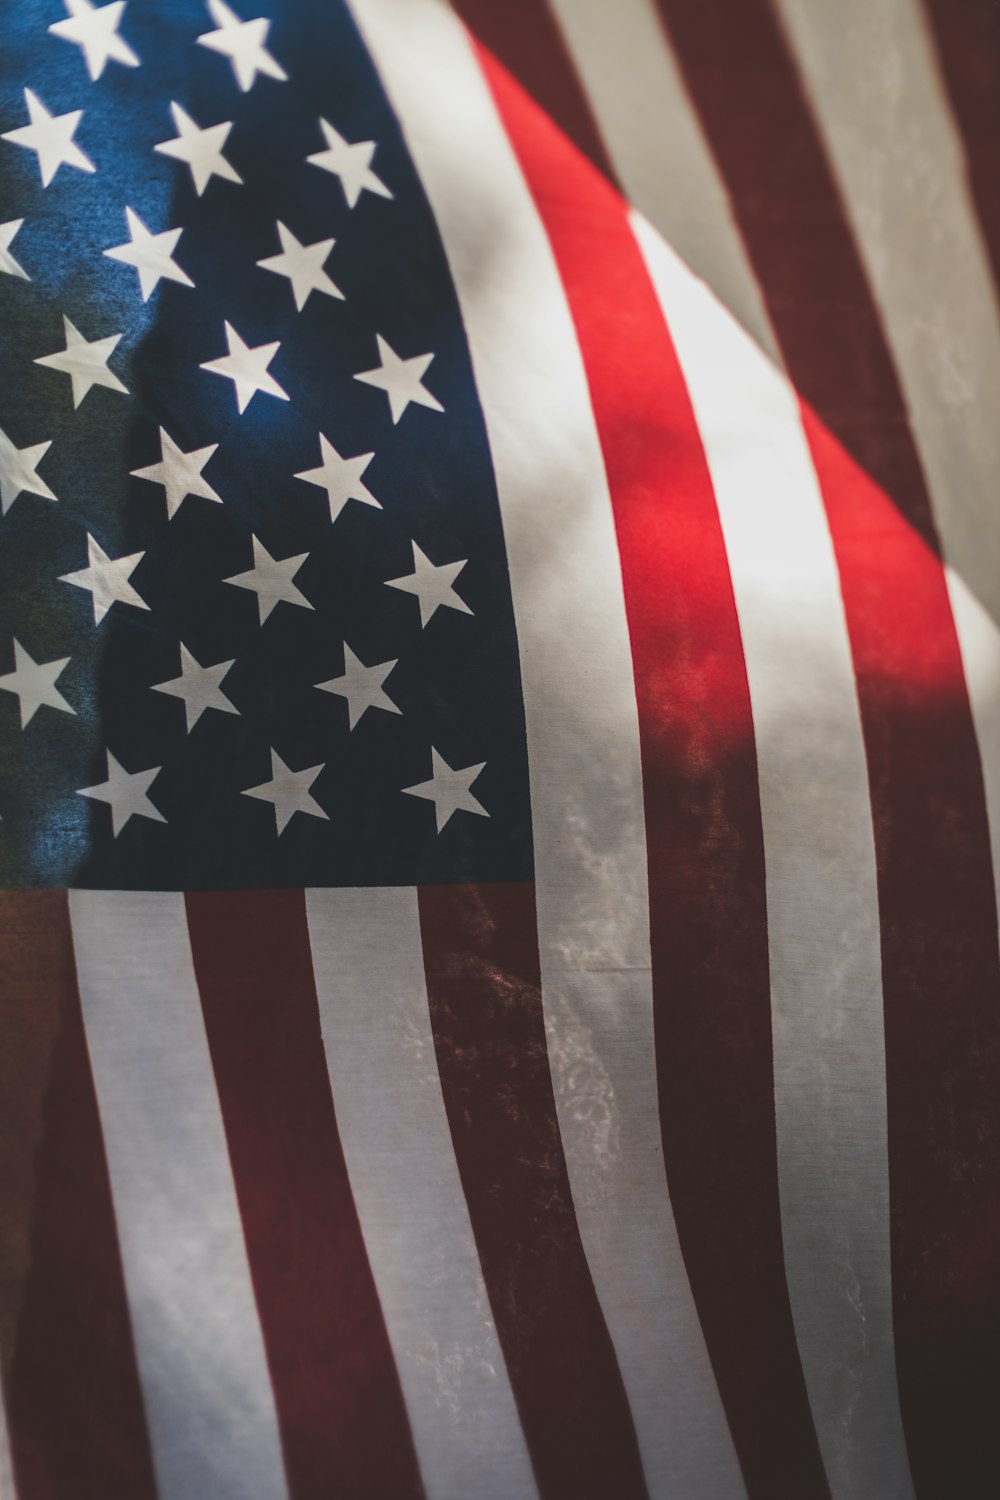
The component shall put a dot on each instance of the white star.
(200, 687)
(247, 368)
(151, 254)
(200, 148)
(179, 473)
(361, 686)
(288, 792)
(432, 584)
(125, 793)
(96, 31)
(19, 471)
(107, 578)
(243, 43)
(448, 790)
(8, 265)
(51, 138)
(270, 579)
(85, 364)
(340, 477)
(303, 265)
(351, 163)
(401, 379)
(34, 682)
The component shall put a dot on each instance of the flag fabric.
(499, 750)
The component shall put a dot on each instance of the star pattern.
(288, 792)
(126, 793)
(180, 473)
(433, 585)
(51, 138)
(19, 472)
(401, 379)
(270, 579)
(449, 790)
(351, 163)
(200, 149)
(95, 30)
(107, 579)
(303, 265)
(252, 685)
(151, 254)
(200, 688)
(8, 265)
(361, 686)
(85, 363)
(243, 43)
(34, 683)
(340, 477)
(246, 367)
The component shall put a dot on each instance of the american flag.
(499, 750)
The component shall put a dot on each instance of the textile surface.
(499, 750)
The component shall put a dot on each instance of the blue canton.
(189, 704)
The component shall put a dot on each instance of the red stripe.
(706, 861)
(481, 961)
(967, 33)
(77, 1426)
(343, 1423)
(941, 974)
(525, 36)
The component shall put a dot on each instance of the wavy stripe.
(394, 1130)
(582, 727)
(198, 1341)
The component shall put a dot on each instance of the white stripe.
(369, 968)
(871, 74)
(582, 727)
(829, 1056)
(657, 146)
(198, 1343)
(979, 638)
(7, 1490)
